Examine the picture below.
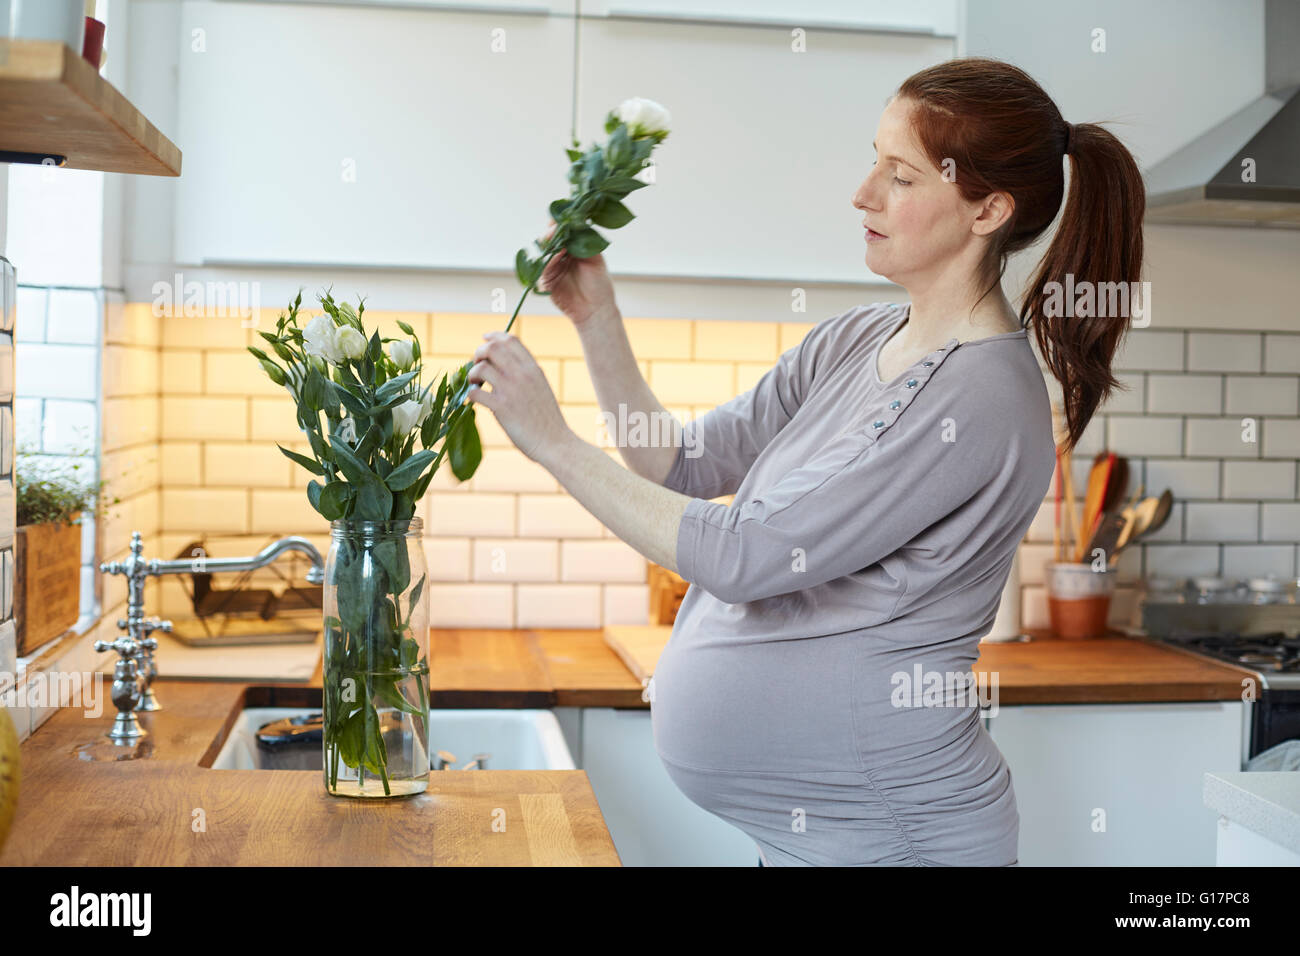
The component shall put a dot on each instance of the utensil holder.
(1078, 599)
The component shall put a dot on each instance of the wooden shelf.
(53, 102)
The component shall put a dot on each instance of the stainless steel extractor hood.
(1202, 183)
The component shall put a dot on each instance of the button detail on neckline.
(910, 383)
(895, 403)
(877, 424)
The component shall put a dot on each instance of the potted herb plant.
(51, 498)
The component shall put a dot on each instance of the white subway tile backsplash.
(57, 371)
(1258, 560)
(1150, 350)
(27, 423)
(1279, 521)
(1222, 438)
(1211, 522)
(1262, 395)
(1181, 560)
(626, 604)
(1145, 435)
(69, 426)
(1282, 352)
(1184, 479)
(1185, 394)
(1130, 397)
(1259, 479)
(1281, 438)
(29, 324)
(1223, 351)
(559, 605)
(73, 317)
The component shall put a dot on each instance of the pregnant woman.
(884, 472)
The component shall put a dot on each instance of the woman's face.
(924, 222)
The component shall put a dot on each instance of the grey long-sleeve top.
(872, 530)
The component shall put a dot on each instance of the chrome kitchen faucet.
(135, 670)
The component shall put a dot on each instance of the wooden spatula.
(1098, 479)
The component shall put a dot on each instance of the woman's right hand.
(580, 288)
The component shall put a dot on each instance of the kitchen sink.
(511, 739)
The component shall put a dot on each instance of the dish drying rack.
(240, 614)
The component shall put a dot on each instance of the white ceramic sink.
(514, 739)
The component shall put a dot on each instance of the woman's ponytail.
(1087, 288)
(1006, 135)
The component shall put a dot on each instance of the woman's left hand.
(520, 398)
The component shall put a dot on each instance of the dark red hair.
(1004, 134)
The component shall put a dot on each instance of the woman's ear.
(995, 210)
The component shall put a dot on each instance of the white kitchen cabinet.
(1117, 784)
(369, 136)
(651, 821)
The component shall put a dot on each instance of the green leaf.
(370, 441)
(314, 493)
(612, 214)
(560, 206)
(309, 463)
(585, 243)
(393, 386)
(415, 596)
(391, 555)
(334, 500)
(316, 392)
(466, 451)
(405, 328)
(618, 150)
(374, 501)
(408, 472)
(620, 186)
(349, 401)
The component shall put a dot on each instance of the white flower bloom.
(405, 417)
(426, 406)
(348, 430)
(402, 353)
(350, 343)
(318, 339)
(643, 117)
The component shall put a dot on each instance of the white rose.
(405, 417)
(350, 343)
(643, 117)
(318, 339)
(402, 353)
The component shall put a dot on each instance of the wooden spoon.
(1098, 479)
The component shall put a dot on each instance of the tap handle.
(156, 624)
(148, 643)
(124, 646)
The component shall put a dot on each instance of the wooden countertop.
(575, 668)
(81, 812)
(78, 811)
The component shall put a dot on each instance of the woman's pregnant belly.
(764, 706)
(827, 703)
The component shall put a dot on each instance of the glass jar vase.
(376, 660)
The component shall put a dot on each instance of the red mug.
(92, 47)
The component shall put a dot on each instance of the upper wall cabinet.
(369, 136)
(920, 16)
(771, 138)
(422, 137)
